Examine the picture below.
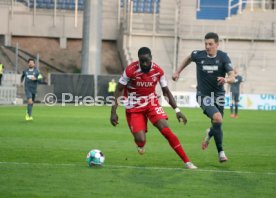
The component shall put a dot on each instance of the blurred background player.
(32, 77)
(235, 94)
(138, 82)
(111, 87)
(1, 72)
(211, 66)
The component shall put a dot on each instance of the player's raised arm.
(168, 95)
(183, 65)
(119, 92)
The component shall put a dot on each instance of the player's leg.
(137, 123)
(30, 106)
(215, 112)
(217, 120)
(140, 141)
(208, 135)
(232, 105)
(158, 118)
(236, 105)
(217, 117)
(174, 142)
(205, 104)
(29, 97)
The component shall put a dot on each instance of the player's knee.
(217, 118)
(140, 136)
(140, 139)
(161, 124)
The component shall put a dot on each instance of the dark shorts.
(30, 94)
(235, 97)
(211, 106)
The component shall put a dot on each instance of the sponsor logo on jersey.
(30, 76)
(144, 84)
(210, 68)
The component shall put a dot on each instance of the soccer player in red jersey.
(138, 84)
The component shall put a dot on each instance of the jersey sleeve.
(23, 76)
(163, 82)
(241, 79)
(227, 64)
(194, 55)
(37, 74)
(124, 79)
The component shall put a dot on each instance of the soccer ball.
(95, 158)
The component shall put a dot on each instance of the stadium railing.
(7, 94)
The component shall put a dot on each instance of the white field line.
(142, 168)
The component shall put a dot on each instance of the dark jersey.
(235, 87)
(208, 69)
(30, 84)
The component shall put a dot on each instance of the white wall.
(22, 22)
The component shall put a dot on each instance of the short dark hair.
(212, 35)
(144, 51)
(31, 59)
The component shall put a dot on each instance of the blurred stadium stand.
(139, 6)
(50, 4)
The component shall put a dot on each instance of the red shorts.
(137, 121)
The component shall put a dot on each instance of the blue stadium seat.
(49, 4)
(216, 9)
(143, 6)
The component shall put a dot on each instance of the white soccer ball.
(95, 158)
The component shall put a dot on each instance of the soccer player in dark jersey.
(31, 76)
(235, 94)
(212, 65)
(138, 83)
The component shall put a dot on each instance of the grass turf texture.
(46, 157)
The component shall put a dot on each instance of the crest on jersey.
(154, 78)
(217, 61)
(202, 62)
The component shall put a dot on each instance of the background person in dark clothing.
(31, 76)
(235, 94)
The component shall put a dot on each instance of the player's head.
(31, 63)
(144, 55)
(211, 43)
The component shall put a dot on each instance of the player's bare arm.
(119, 92)
(183, 65)
(168, 95)
(229, 79)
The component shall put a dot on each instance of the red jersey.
(140, 87)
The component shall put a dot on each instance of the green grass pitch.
(46, 157)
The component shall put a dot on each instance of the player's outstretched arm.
(22, 78)
(169, 97)
(230, 79)
(119, 92)
(183, 65)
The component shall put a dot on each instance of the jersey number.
(159, 110)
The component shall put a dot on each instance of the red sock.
(140, 144)
(175, 144)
